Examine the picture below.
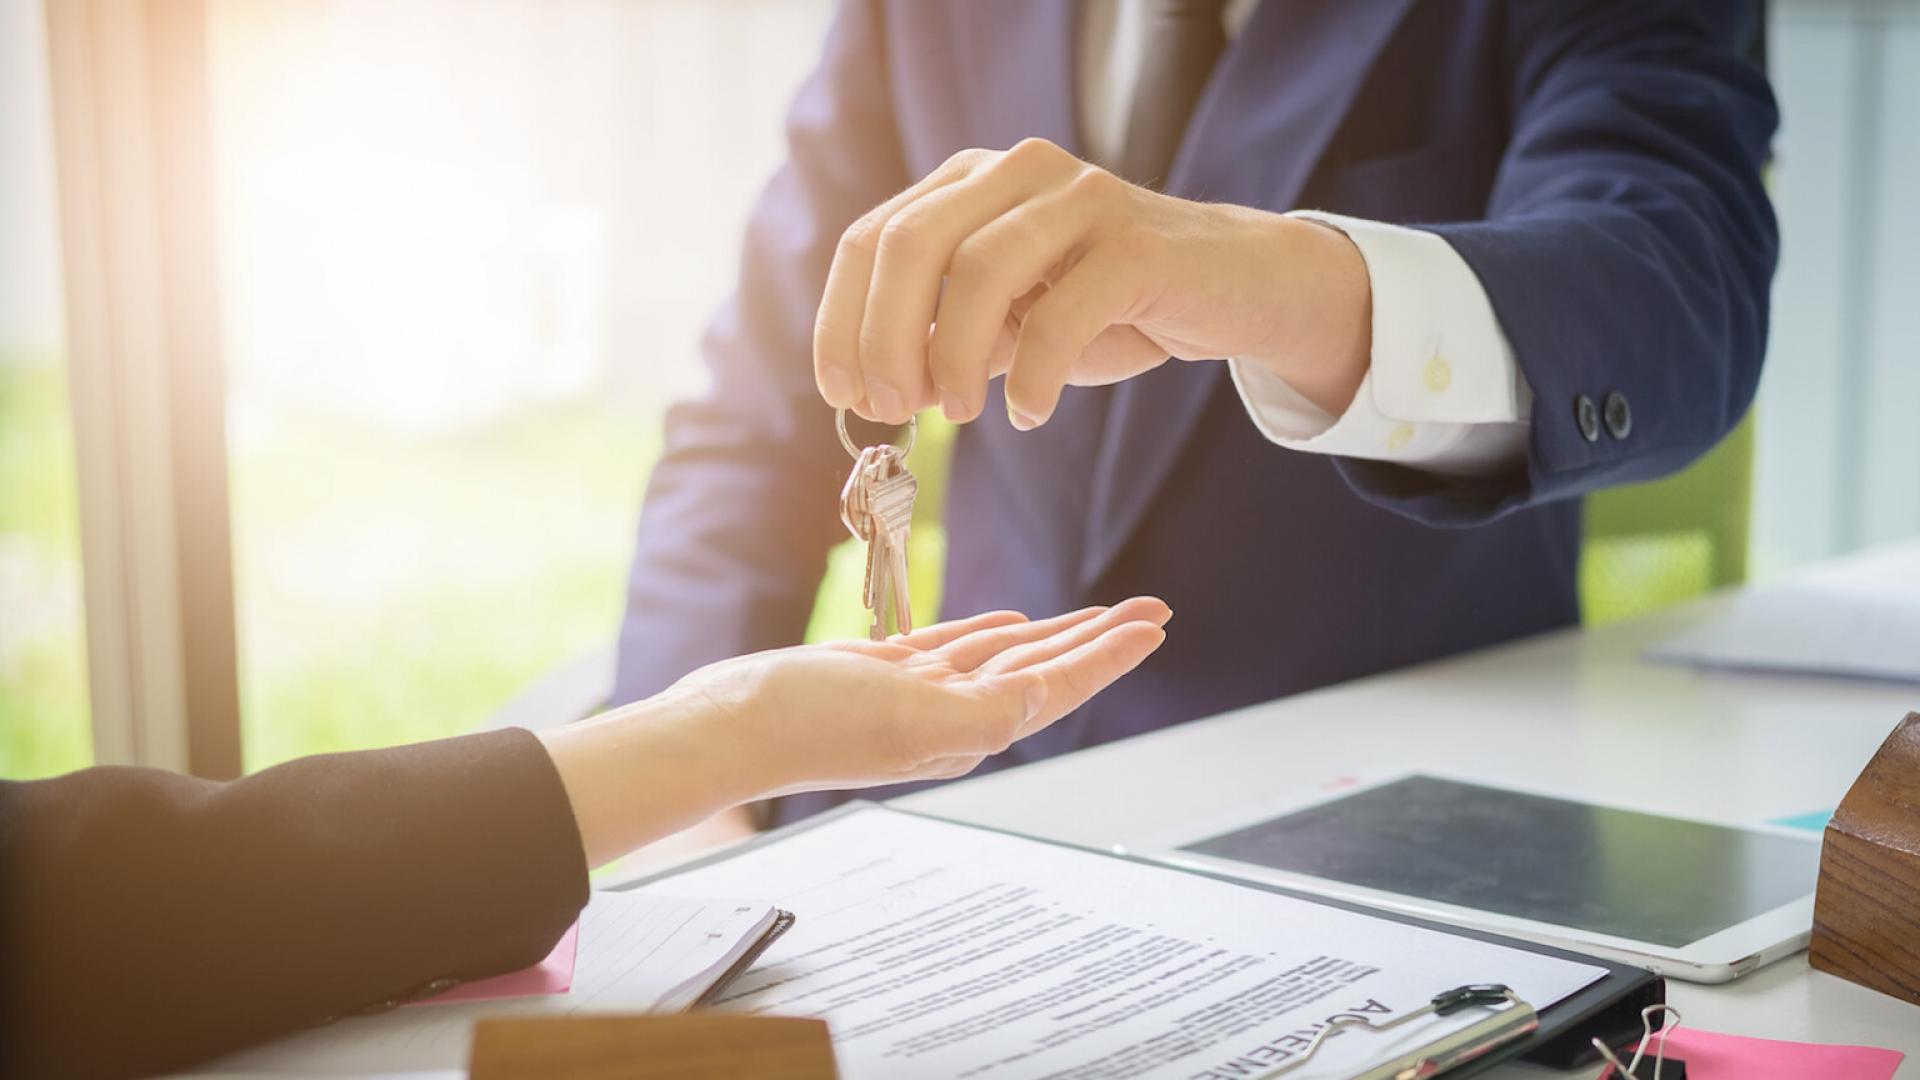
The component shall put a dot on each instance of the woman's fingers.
(941, 634)
(1038, 650)
(1061, 662)
(949, 768)
(1056, 672)
(1073, 677)
(971, 650)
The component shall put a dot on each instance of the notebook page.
(635, 951)
(938, 950)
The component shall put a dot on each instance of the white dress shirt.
(1443, 391)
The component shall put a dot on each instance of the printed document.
(936, 949)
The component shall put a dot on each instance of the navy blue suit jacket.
(1596, 164)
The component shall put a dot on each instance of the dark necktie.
(1183, 40)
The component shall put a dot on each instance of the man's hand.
(847, 714)
(1035, 264)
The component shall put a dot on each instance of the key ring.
(846, 440)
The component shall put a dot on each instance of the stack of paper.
(941, 950)
(1857, 618)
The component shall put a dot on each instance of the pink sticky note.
(1736, 1057)
(550, 976)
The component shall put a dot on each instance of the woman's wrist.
(650, 769)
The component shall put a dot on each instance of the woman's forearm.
(150, 921)
(649, 769)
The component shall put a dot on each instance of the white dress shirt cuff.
(1443, 391)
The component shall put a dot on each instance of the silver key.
(876, 505)
(856, 513)
(858, 518)
(879, 584)
(890, 496)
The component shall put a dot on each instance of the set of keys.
(877, 506)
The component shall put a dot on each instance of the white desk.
(1576, 711)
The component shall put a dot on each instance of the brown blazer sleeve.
(152, 920)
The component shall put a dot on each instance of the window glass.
(43, 676)
(467, 255)
(1836, 437)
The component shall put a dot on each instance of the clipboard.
(1608, 1009)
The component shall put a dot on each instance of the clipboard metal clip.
(1510, 1019)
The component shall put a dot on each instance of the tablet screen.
(1594, 868)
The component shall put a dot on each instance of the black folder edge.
(1607, 1009)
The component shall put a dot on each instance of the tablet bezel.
(1719, 957)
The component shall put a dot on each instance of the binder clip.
(1631, 1070)
(1515, 1020)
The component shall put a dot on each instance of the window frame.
(133, 154)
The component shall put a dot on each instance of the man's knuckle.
(969, 159)
(1092, 183)
(861, 238)
(1034, 150)
(904, 237)
(973, 260)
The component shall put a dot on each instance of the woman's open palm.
(925, 705)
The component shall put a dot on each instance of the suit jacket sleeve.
(741, 508)
(1627, 248)
(153, 920)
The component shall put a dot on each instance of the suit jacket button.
(1619, 417)
(1588, 416)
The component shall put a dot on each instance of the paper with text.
(936, 949)
(636, 953)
